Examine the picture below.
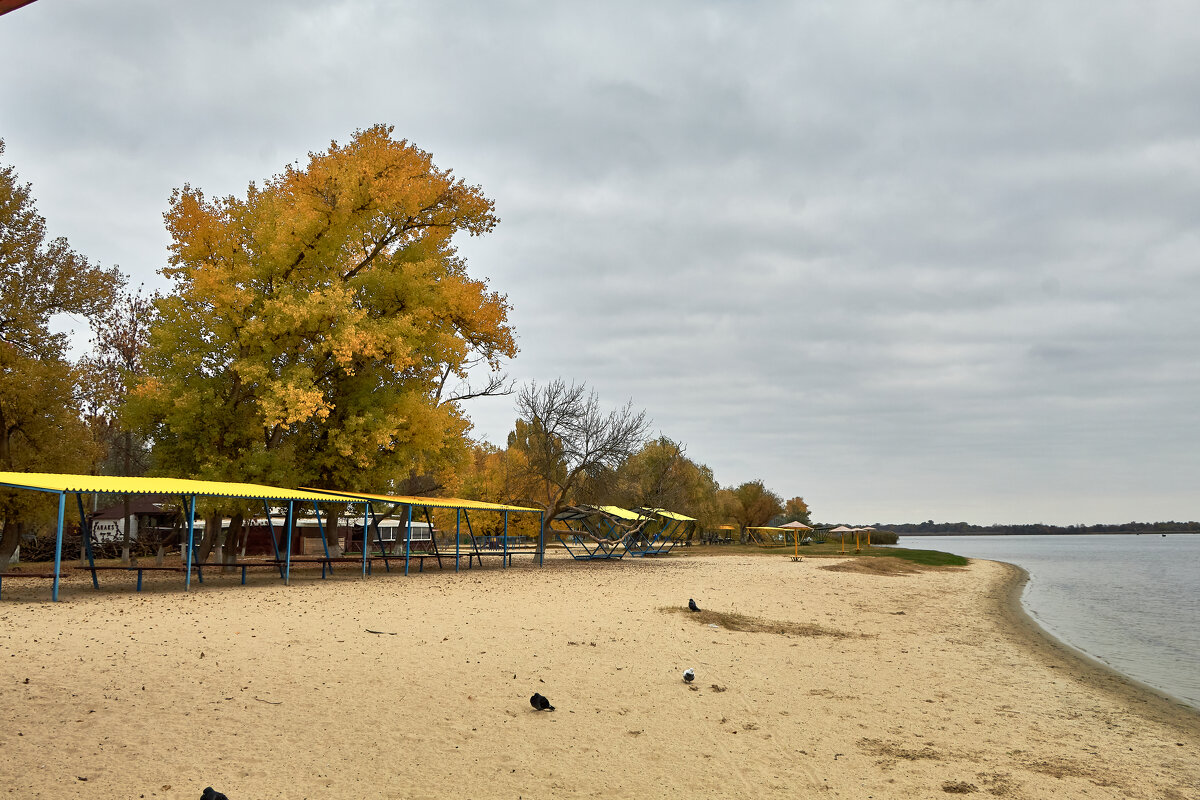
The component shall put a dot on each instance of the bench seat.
(139, 569)
(4, 575)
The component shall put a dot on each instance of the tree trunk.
(331, 533)
(175, 536)
(556, 504)
(83, 560)
(127, 532)
(229, 543)
(9, 539)
(219, 546)
(212, 526)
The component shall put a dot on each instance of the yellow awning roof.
(106, 484)
(662, 512)
(432, 502)
(617, 511)
(766, 528)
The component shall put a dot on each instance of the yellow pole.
(857, 549)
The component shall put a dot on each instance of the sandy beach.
(865, 685)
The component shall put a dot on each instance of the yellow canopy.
(621, 513)
(432, 502)
(672, 515)
(105, 484)
(766, 528)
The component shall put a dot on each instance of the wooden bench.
(505, 557)
(247, 564)
(419, 557)
(4, 575)
(327, 562)
(139, 569)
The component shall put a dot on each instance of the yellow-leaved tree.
(318, 324)
(40, 425)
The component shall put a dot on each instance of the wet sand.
(883, 685)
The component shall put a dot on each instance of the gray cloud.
(931, 260)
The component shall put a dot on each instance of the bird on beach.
(212, 794)
(692, 605)
(689, 675)
(540, 703)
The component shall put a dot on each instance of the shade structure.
(105, 484)
(458, 505)
(186, 489)
(797, 527)
(620, 513)
(430, 502)
(590, 534)
(842, 529)
(662, 512)
(759, 532)
(670, 532)
(599, 532)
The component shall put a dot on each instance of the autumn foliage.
(317, 320)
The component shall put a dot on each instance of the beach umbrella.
(796, 527)
(843, 530)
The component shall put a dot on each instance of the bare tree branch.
(571, 438)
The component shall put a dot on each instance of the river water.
(1131, 601)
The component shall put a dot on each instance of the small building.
(147, 514)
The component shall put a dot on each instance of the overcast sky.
(920, 260)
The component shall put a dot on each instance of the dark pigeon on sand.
(540, 703)
(692, 605)
(212, 794)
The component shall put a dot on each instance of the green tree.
(660, 475)
(796, 510)
(753, 504)
(40, 426)
(317, 324)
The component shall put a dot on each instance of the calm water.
(1132, 602)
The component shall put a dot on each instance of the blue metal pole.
(187, 580)
(62, 509)
(541, 540)
(504, 556)
(274, 544)
(408, 537)
(321, 528)
(457, 535)
(366, 515)
(291, 521)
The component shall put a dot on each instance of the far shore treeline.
(932, 528)
(319, 330)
